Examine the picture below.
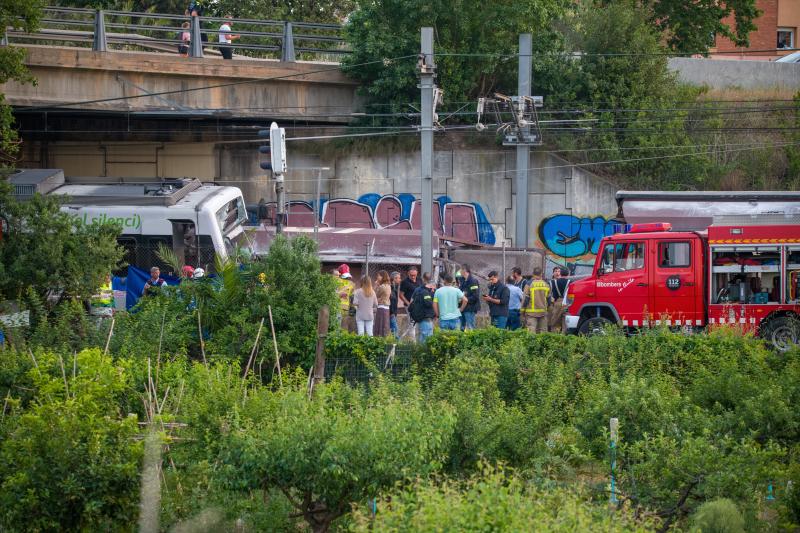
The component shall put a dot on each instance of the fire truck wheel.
(594, 326)
(782, 332)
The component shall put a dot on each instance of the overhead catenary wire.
(549, 167)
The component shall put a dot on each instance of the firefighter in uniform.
(344, 291)
(102, 303)
(535, 304)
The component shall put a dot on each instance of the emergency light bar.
(650, 227)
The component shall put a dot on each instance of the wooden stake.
(63, 375)
(275, 345)
(158, 356)
(253, 351)
(200, 335)
(110, 332)
(322, 333)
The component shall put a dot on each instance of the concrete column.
(427, 74)
(287, 45)
(196, 48)
(99, 44)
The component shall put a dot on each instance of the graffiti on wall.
(461, 220)
(574, 237)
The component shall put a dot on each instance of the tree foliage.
(45, 248)
(690, 27)
(493, 500)
(25, 15)
(336, 448)
(69, 462)
(470, 41)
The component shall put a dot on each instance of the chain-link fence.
(396, 363)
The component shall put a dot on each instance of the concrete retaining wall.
(570, 209)
(743, 74)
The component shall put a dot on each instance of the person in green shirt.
(448, 302)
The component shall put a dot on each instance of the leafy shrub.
(674, 474)
(341, 446)
(70, 462)
(718, 516)
(493, 500)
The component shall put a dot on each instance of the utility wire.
(567, 165)
(578, 54)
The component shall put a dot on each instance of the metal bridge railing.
(159, 32)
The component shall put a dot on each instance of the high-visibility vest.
(344, 291)
(538, 289)
(104, 298)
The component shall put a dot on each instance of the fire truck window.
(674, 254)
(792, 275)
(629, 256)
(607, 264)
(746, 275)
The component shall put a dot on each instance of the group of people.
(516, 302)
(226, 36)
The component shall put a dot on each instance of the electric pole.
(518, 122)
(523, 149)
(427, 73)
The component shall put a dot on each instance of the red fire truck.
(726, 275)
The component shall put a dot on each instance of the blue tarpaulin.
(133, 285)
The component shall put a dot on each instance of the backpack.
(417, 308)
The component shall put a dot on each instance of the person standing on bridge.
(226, 38)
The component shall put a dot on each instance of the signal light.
(275, 150)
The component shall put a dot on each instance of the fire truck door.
(675, 282)
(622, 280)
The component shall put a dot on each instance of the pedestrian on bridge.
(226, 38)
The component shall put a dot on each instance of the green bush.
(70, 461)
(338, 448)
(493, 500)
(718, 516)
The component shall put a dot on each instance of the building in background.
(776, 35)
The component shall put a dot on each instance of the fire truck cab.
(650, 275)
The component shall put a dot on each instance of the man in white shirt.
(226, 37)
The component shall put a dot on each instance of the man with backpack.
(421, 310)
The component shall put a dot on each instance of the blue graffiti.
(571, 236)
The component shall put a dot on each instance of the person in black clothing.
(472, 290)
(197, 9)
(408, 286)
(558, 289)
(522, 283)
(497, 300)
(395, 277)
(421, 308)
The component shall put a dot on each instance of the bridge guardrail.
(108, 30)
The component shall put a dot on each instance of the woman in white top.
(365, 302)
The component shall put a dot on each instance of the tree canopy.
(472, 43)
(45, 248)
(24, 14)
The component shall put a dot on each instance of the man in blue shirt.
(448, 302)
(515, 297)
